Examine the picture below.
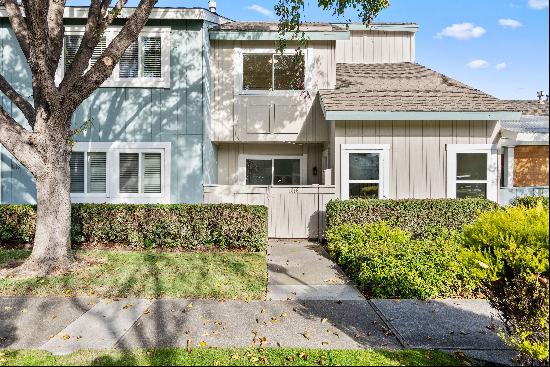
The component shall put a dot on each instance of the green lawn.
(219, 275)
(235, 357)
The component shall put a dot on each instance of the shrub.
(386, 262)
(530, 201)
(423, 218)
(508, 251)
(178, 226)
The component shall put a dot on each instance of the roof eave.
(412, 28)
(421, 115)
(234, 35)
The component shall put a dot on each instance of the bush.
(423, 218)
(386, 262)
(530, 201)
(178, 226)
(508, 251)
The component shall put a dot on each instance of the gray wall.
(175, 115)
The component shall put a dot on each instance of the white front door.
(365, 171)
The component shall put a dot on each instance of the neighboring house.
(148, 139)
(524, 146)
(224, 117)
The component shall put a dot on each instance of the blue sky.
(498, 46)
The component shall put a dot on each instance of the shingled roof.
(405, 87)
(530, 107)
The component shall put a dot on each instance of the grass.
(234, 357)
(220, 275)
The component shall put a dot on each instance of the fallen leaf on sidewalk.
(306, 334)
(66, 337)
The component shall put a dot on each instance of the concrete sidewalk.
(63, 325)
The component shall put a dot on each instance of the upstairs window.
(145, 63)
(270, 72)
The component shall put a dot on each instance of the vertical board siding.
(376, 47)
(175, 115)
(265, 118)
(228, 159)
(294, 211)
(418, 150)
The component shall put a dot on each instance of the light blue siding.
(175, 115)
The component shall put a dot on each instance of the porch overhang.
(419, 115)
(231, 35)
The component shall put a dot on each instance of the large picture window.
(472, 171)
(273, 170)
(269, 72)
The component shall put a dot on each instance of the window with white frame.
(472, 171)
(146, 62)
(272, 170)
(272, 72)
(120, 172)
(364, 171)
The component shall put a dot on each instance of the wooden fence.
(294, 211)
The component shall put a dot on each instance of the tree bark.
(52, 239)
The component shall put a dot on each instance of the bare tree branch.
(20, 101)
(18, 25)
(95, 27)
(20, 143)
(56, 30)
(102, 69)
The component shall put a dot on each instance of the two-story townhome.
(204, 109)
(144, 133)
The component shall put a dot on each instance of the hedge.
(530, 201)
(176, 226)
(423, 218)
(386, 262)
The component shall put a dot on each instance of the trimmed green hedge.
(177, 226)
(385, 262)
(423, 218)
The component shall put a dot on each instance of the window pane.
(129, 173)
(471, 166)
(151, 172)
(151, 57)
(257, 72)
(471, 190)
(286, 172)
(97, 172)
(129, 62)
(72, 43)
(289, 72)
(364, 166)
(363, 190)
(98, 50)
(76, 166)
(258, 172)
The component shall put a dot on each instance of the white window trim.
(113, 150)
(384, 167)
(238, 53)
(242, 166)
(114, 81)
(492, 168)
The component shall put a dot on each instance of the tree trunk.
(52, 240)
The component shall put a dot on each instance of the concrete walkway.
(302, 270)
(311, 304)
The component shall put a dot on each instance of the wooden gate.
(294, 211)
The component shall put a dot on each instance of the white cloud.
(462, 31)
(538, 4)
(478, 64)
(510, 23)
(501, 66)
(260, 9)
